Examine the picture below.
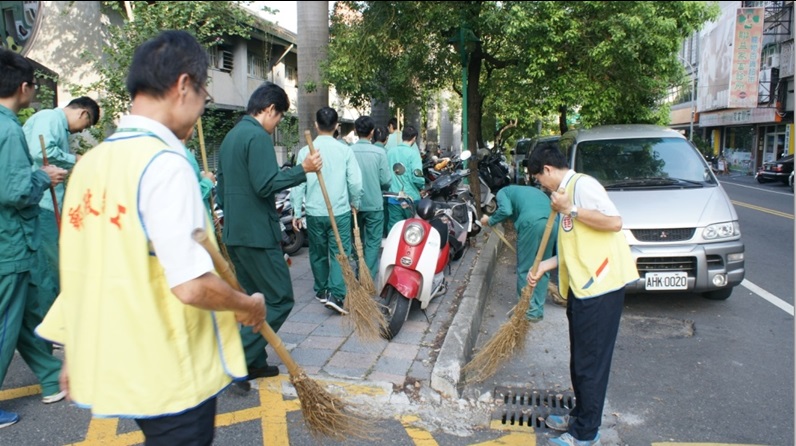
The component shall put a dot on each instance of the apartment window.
(221, 58)
(257, 67)
(290, 73)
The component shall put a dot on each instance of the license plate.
(666, 281)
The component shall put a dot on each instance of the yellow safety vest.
(133, 349)
(591, 262)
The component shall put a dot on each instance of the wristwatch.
(573, 212)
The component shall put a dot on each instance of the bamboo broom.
(365, 278)
(324, 414)
(510, 337)
(363, 311)
(217, 227)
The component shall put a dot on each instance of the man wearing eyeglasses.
(21, 188)
(55, 125)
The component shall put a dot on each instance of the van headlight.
(413, 234)
(722, 230)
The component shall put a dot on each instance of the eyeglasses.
(90, 118)
(208, 98)
(33, 85)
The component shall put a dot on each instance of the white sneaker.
(54, 398)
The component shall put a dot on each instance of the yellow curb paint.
(512, 439)
(499, 426)
(102, 431)
(19, 392)
(419, 436)
(274, 412)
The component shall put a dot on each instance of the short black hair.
(545, 155)
(160, 61)
(326, 117)
(380, 134)
(266, 95)
(408, 133)
(86, 103)
(364, 125)
(16, 71)
(393, 122)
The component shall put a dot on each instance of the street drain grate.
(530, 407)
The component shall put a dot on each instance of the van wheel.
(721, 294)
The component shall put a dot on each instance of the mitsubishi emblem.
(664, 234)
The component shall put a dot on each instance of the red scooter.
(415, 254)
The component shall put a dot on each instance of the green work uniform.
(248, 179)
(528, 207)
(205, 184)
(408, 182)
(21, 189)
(343, 180)
(375, 177)
(54, 127)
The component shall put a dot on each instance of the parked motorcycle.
(415, 254)
(292, 241)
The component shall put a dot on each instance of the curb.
(463, 331)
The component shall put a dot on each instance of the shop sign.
(739, 117)
(747, 46)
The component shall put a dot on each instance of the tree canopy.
(611, 62)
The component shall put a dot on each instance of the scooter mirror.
(465, 155)
(418, 172)
(399, 169)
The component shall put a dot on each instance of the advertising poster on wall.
(747, 45)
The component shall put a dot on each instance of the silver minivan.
(682, 228)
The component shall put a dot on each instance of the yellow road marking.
(702, 444)
(762, 209)
(512, 439)
(19, 392)
(419, 436)
(274, 420)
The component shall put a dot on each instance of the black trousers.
(593, 326)
(195, 427)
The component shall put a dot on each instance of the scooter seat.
(442, 228)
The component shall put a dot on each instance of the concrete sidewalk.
(324, 345)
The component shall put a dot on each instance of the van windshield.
(522, 147)
(643, 163)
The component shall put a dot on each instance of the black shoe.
(336, 304)
(263, 372)
(241, 387)
(322, 296)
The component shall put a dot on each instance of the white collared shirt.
(170, 204)
(590, 194)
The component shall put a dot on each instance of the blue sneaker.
(568, 440)
(558, 422)
(7, 418)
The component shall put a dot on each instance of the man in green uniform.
(375, 178)
(394, 138)
(528, 207)
(407, 183)
(21, 189)
(248, 180)
(55, 126)
(343, 181)
(380, 137)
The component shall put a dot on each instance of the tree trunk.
(313, 43)
(562, 119)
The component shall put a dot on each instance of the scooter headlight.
(413, 234)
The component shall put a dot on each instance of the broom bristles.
(328, 416)
(365, 278)
(364, 313)
(509, 338)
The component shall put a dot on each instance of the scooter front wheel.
(396, 311)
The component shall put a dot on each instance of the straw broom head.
(323, 413)
(509, 338)
(363, 310)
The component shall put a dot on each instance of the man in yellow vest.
(594, 265)
(149, 330)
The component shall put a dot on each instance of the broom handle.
(204, 160)
(548, 229)
(266, 331)
(308, 137)
(52, 188)
(503, 238)
(356, 226)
